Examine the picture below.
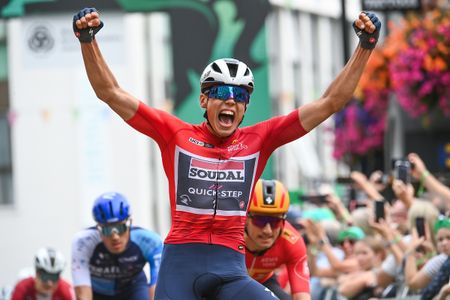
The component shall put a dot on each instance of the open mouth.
(226, 118)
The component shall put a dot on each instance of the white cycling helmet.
(227, 71)
(49, 260)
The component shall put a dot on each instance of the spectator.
(419, 279)
(362, 284)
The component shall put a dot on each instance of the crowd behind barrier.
(394, 244)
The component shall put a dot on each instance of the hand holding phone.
(420, 226)
(402, 170)
(379, 210)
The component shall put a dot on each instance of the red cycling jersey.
(289, 250)
(211, 180)
(25, 290)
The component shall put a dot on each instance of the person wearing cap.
(47, 284)
(419, 279)
(108, 259)
(320, 242)
(271, 242)
(212, 167)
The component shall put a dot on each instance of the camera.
(318, 200)
(402, 170)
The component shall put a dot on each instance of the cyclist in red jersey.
(212, 167)
(272, 242)
(47, 285)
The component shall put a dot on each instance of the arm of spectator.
(444, 292)
(339, 209)
(356, 283)
(404, 193)
(421, 173)
(314, 269)
(340, 266)
(361, 180)
(384, 279)
(393, 238)
(313, 249)
(376, 178)
(412, 276)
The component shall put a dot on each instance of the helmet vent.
(52, 261)
(111, 208)
(233, 69)
(209, 79)
(247, 72)
(216, 68)
(102, 213)
(121, 209)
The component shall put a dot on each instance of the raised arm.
(427, 179)
(340, 91)
(86, 23)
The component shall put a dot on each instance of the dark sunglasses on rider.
(261, 221)
(118, 228)
(225, 92)
(46, 276)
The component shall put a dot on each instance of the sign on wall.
(387, 5)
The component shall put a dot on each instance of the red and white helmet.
(227, 71)
(49, 260)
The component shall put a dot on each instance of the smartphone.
(420, 226)
(314, 199)
(402, 170)
(344, 180)
(379, 210)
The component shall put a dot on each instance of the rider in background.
(212, 167)
(271, 242)
(47, 283)
(108, 259)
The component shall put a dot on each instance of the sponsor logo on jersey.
(200, 143)
(128, 259)
(236, 146)
(228, 171)
(211, 186)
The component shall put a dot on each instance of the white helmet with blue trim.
(227, 71)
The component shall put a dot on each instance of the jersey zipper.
(215, 202)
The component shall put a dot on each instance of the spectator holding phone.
(419, 279)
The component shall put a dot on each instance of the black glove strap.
(86, 35)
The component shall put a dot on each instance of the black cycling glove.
(368, 40)
(86, 35)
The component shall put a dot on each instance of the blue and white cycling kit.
(116, 276)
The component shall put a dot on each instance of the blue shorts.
(203, 271)
(138, 289)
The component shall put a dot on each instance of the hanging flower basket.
(420, 73)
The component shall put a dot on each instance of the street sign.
(389, 5)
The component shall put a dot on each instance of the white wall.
(68, 147)
(306, 53)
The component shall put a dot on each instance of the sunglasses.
(261, 221)
(45, 276)
(108, 230)
(225, 92)
(351, 242)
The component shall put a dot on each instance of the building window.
(5, 128)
